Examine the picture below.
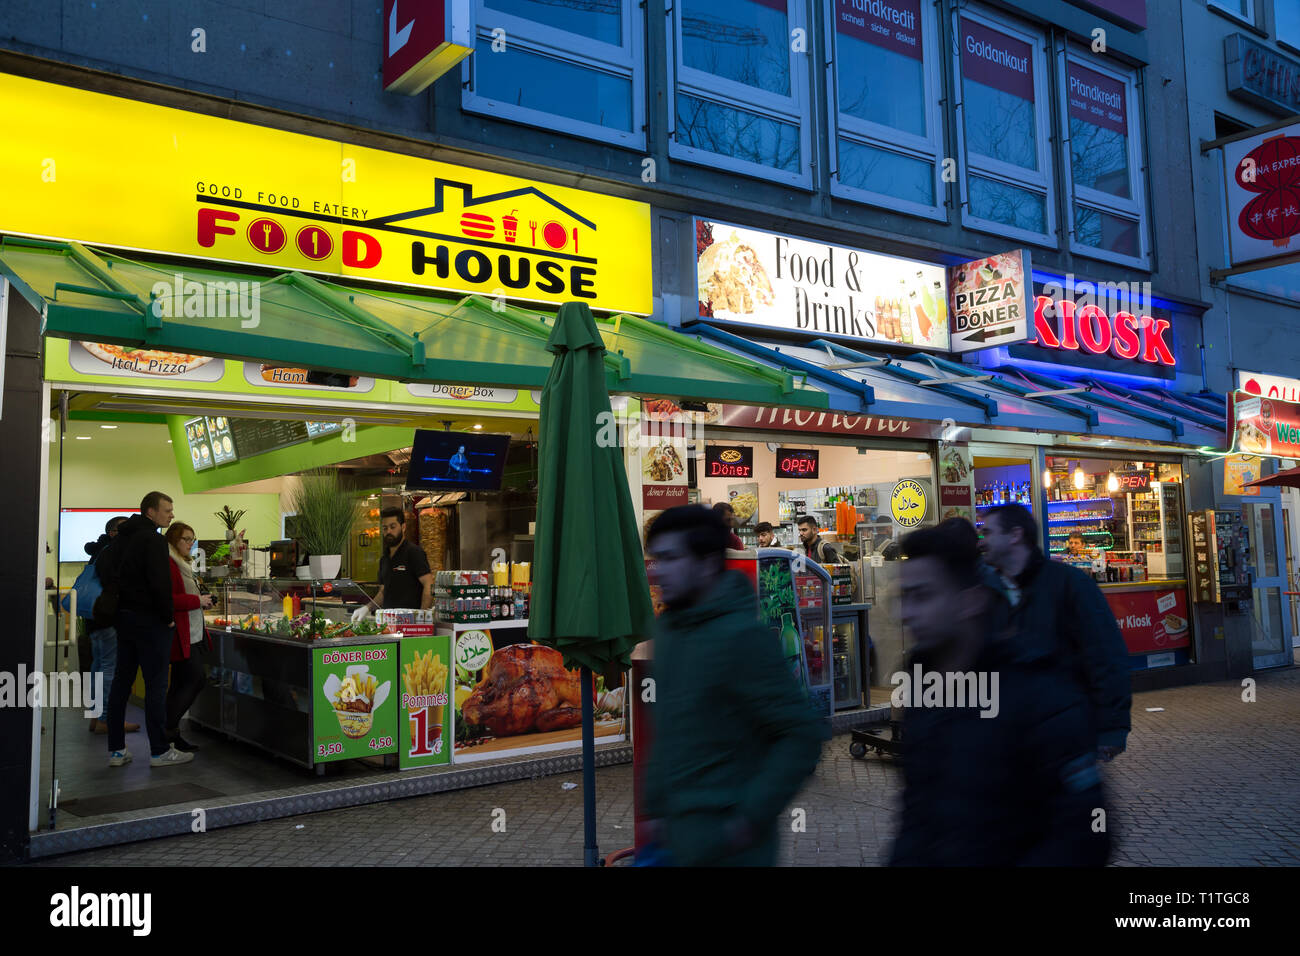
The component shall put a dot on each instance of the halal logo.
(730, 456)
(907, 503)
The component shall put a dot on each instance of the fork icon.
(532, 227)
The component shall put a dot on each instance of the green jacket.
(733, 732)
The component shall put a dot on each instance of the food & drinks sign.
(756, 278)
(194, 185)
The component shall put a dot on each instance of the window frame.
(1249, 18)
(1132, 208)
(793, 110)
(625, 62)
(996, 170)
(886, 138)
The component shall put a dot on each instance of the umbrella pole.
(591, 853)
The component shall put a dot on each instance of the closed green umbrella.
(590, 599)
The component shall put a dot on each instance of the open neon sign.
(1091, 329)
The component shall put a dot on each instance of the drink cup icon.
(510, 224)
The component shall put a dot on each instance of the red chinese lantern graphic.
(1271, 169)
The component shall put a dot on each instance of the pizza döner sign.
(798, 463)
(728, 461)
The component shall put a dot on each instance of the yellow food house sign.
(101, 169)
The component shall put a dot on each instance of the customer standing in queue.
(190, 638)
(728, 515)
(405, 579)
(767, 535)
(813, 545)
(103, 636)
(1000, 770)
(140, 572)
(1061, 618)
(734, 737)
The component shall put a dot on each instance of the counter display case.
(309, 686)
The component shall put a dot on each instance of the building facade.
(936, 132)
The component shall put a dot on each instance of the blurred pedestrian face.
(683, 577)
(934, 608)
(393, 531)
(998, 545)
(163, 514)
(808, 533)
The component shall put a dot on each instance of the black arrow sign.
(983, 335)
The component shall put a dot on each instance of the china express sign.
(245, 193)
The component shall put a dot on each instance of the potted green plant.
(219, 563)
(230, 519)
(326, 514)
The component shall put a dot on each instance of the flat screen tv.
(79, 526)
(456, 461)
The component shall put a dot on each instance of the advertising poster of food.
(992, 301)
(1151, 621)
(424, 711)
(744, 502)
(761, 278)
(1268, 427)
(956, 482)
(519, 699)
(284, 376)
(101, 358)
(1237, 470)
(355, 704)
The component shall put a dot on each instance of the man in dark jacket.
(999, 759)
(734, 736)
(1059, 614)
(102, 639)
(137, 564)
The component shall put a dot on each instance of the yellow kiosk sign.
(101, 169)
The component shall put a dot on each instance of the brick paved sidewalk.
(1208, 780)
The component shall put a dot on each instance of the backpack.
(88, 588)
(107, 566)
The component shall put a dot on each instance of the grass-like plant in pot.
(326, 514)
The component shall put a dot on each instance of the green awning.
(307, 322)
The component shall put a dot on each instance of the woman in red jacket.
(187, 646)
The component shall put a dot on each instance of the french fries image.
(354, 704)
(426, 677)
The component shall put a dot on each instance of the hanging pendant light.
(1047, 478)
(1112, 483)
(1079, 477)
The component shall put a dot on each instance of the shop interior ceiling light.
(1079, 477)
(1047, 477)
(1112, 483)
(107, 426)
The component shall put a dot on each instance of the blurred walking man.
(734, 735)
(999, 763)
(1061, 618)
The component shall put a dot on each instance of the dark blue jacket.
(1017, 789)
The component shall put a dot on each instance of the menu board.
(223, 443)
(256, 436)
(196, 435)
(316, 429)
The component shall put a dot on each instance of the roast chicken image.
(525, 688)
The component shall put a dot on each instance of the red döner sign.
(1089, 328)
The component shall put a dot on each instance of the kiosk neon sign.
(1091, 329)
